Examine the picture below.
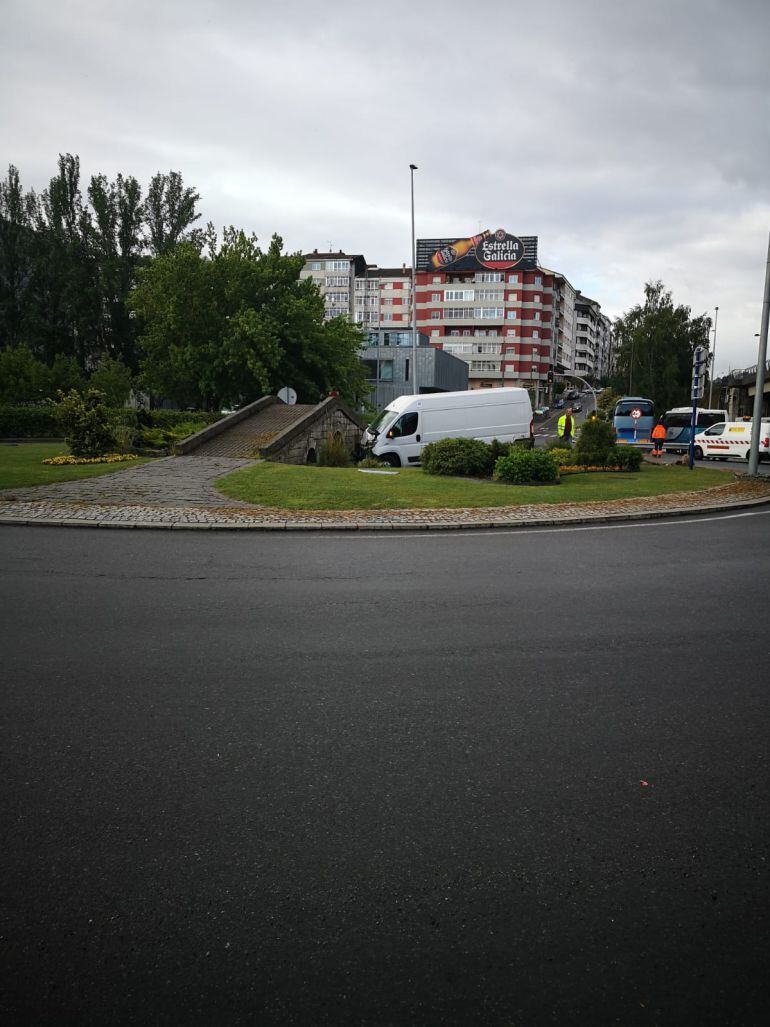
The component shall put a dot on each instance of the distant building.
(388, 358)
(483, 299)
(594, 346)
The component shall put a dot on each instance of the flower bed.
(582, 468)
(112, 458)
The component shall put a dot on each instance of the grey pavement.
(475, 780)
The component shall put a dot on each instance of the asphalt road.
(492, 778)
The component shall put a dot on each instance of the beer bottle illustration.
(450, 254)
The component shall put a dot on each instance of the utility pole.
(412, 169)
(756, 421)
(713, 355)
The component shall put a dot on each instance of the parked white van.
(731, 438)
(407, 424)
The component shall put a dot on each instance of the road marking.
(432, 536)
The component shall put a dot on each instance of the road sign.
(636, 413)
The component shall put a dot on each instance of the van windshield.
(382, 420)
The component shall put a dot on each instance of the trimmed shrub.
(28, 423)
(456, 457)
(85, 421)
(521, 467)
(333, 452)
(563, 457)
(372, 462)
(595, 446)
(626, 458)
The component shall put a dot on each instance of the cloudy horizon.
(630, 138)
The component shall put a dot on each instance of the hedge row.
(40, 422)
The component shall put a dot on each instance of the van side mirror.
(389, 435)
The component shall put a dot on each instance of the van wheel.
(391, 459)
(697, 453)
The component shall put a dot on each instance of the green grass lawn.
(330, 488)
(22, 465)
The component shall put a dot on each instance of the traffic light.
(699, 363)
(550, 377)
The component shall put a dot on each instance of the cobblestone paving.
(171, 481)
(176, 509)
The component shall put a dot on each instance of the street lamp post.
(412, 169)
(713, 355)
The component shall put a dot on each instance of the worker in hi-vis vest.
(565, 428)
(658, 438)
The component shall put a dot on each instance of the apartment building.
(594, 348)
(486, 299)
(483, 298)
(370, 296)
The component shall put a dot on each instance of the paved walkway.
(178, 492)
(171, 481)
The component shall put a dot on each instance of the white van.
(731, 438)
(407, 424)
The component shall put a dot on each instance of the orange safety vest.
(659, 432)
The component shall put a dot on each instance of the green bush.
(495, 450)
(457, 457)
(85, 422)
(563, 457)
(372, 462)
(173, 418)
(28, 423)
(333, 452)
(521, 467)
(595, 446)
(626, 458)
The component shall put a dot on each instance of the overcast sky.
(633, 138)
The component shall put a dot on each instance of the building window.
(338, 265)
(435, 297)
(387, 317)
(455, 331)
(435, 315)
(536, 315)
(536, 298)
(488, 294)
(535, 334)
(315, 265)
(511, 315)
(436, 331)
(538, 280)
(513, 278)
(488, 276)
(458, 294)
(436, 279)
(336, 280)
(487, 313)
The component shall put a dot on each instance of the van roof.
(434, 398)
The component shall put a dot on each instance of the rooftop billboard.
(488, 250)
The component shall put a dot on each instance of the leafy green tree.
(17, 212)
(116, 240)
(169, 211)
(23, 378)
(656, 343)
(65, 374)
(114, 379)
(226, 327)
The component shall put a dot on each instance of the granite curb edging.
(330, 524)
